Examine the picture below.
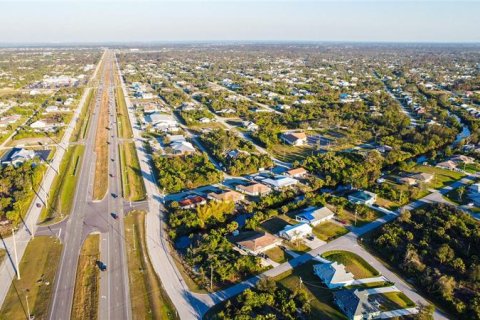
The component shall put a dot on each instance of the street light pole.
(16, 257)
(28, 307)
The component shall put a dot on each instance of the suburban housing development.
(262, 180)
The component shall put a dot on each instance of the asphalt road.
(95, 216)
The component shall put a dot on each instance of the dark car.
(114, 195)
(114, 215)
(102, 266)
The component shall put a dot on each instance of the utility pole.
(16, 257)
(28, 307)
(211, 277)
(32, 233)
(300, 281)
(134, 242)
(355, 216)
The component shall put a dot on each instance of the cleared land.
(85, 296)
(132, 181)
(149, 300)
(38, 268)
(353, 263)
(2, 255)
(63, 189)
(101, 147)
(328, 231)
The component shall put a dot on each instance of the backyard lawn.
(277, 255)
(322, 303)
(328, 231)
(353, 263)
(393, 301)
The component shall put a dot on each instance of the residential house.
(462, 159)
(191, 202)
(355, 304)
(296, 173)
(362, 197)
(314, 215)
(294, 138)
(422, 177)
(279, 182)
(17, 156)
(228, 195)
(333, 275)
(254, 189)
(296, 231)
(182, 147)
(448, 165)
(257, 242)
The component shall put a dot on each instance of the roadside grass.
(123, 121)
(187, 276)
(101, 151)
(353, 263)
(328, 231)
(288, 153)
(393, 301)
(2, 255)
(63, 187)
(84, 117)
(277, 255)
(321, 298)
(132, 181)
(149, 300)
(472, 167)
(85, 296)
(348, 217)
(38, 268)
(442, 177)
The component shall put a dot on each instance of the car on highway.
(114, 195)
(102, 266)
(114, 215)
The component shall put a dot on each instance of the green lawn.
(63, 187)
(328, 231)
(321, 301)
(393, 300)
(442, 177)
(353, 263)
(132, 180)
(277, 255)
(38, 268)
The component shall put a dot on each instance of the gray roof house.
(333, 274)
(355, 304)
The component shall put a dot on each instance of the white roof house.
(296, 231)
(18, 156)
(182, 147)
(333, 274)
(156, 119)
(279, 182)
(314, 215)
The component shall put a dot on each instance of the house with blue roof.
(362, 197)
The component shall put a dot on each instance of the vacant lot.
(63, 188)
(288, 153)
(101, 150)
(328, 231)
(277, 255)
(38, 268)
(85, 297)
(132, 181)
(149, 301)
(353, 263)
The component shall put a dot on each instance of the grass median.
(132, 181)
(123, 122)
(62, 191)
(37, 270)
(148, 298)
(85, 296)
(101, 150)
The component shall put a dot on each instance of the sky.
(102, 21)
